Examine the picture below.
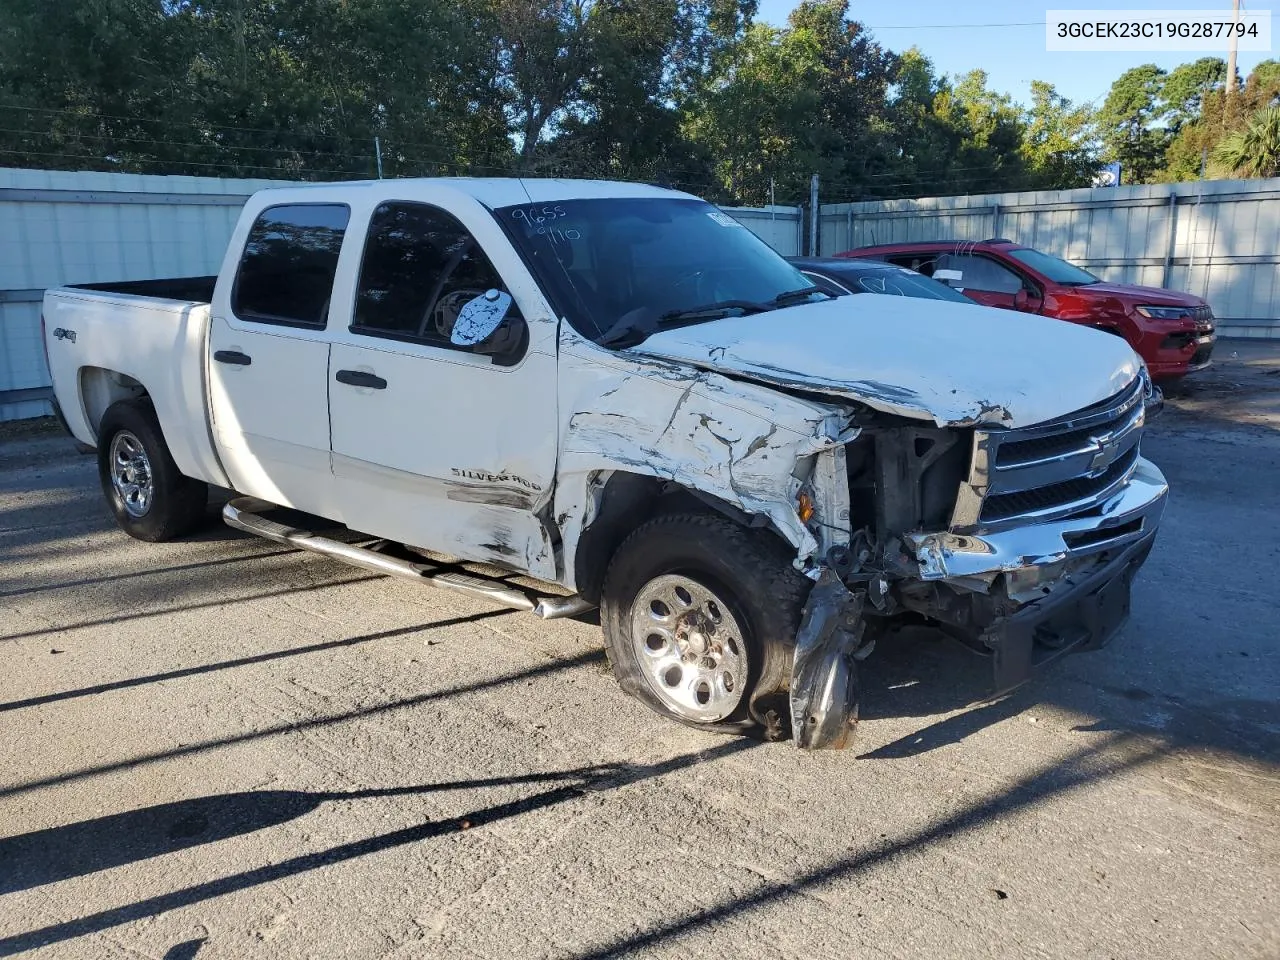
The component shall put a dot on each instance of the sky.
(1013, 55)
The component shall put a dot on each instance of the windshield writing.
(903, 284)
(638, 263)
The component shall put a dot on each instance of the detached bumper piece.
(246, 513)
(1084, 617)
(824, 678)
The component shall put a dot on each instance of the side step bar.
(245, 513)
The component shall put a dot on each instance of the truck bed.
(105, 341)
(187, 289)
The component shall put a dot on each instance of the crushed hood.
(951, 363)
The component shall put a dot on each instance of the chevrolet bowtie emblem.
(1105, 456)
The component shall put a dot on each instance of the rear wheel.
(149, 496)
(700, 616)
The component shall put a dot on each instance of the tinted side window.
(420, 268)
(286, 272)
(919, 262)
(981, 273)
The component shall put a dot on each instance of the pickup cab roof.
(490, 191)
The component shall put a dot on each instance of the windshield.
(612, 265)
(898, 283)
(1056, 269)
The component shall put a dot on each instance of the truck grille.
(1004, 506)
(1055, 469)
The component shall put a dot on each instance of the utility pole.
(377, 152)
(1231, 63)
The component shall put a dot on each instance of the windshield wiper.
(712, 311)
(637, 325)
(797, 296)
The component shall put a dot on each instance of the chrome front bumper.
(1131, 515)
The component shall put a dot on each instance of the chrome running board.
(245, 513)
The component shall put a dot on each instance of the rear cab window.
(286, 272)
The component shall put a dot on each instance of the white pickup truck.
(561, 394)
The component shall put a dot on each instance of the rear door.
(437, 445)
(269, 357)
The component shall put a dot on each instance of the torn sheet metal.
(824, 679)
(924, 359)
(830, 483)
(745, 444)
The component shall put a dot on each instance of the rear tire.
(148, 495)
(700, 616)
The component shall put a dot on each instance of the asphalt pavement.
(219, 748)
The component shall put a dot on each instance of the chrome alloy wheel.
(689, 648)
(131, 474)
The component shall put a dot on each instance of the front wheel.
(700, 617)
(149, 496)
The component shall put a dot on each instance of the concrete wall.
(59, 227)
(1218, 239)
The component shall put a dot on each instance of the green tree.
(1255, 150)
(1127, 123)
(926, 142)
(236, 87)
(987, 130)
(1197, 139)
(546, 50)
(757, 118)
(1183, 91)
(1057, 142)
(647, 58)
(851, 129)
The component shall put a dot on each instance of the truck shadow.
(102, 843)
(922, 673)
(105, 842)
(265, 657)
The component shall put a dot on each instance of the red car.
(1172, 331)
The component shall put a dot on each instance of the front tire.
(700, 616)
(148, 495)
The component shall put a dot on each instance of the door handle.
(358, 378)
(233, 356)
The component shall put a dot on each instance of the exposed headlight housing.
(1152, 396)
(1165, 313)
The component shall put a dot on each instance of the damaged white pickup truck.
(558, 394)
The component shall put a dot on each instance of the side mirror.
(480, 318)
(1028, 299)
(506, 343)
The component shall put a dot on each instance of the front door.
(435, 445)
(982, 279)
(269, 358)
